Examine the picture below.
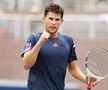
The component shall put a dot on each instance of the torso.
(50, 67)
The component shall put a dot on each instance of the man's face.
(52, 22)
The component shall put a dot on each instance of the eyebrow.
(53, 18)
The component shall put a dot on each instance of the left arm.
(76, 72)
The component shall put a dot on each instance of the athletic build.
(48, 54)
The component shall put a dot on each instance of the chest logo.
(55, 45)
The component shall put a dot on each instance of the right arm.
(30, 57)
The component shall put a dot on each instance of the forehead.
(54, 15)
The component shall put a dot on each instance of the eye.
(57, 19)
(50, 18)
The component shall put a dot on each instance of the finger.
(95, 83)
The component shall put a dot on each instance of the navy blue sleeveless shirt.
(49, 70)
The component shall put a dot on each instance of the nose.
(53, 21)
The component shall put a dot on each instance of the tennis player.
(47, 54)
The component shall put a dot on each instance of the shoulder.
(66, 38)
(37, 34)
(34, 36)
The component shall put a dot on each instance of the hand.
(91, 81)
(45, 35)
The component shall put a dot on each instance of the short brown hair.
(55, 8)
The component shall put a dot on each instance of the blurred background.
(84, 20)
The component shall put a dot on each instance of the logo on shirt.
(28, 46)
(55, 45)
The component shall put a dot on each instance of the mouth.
(52, 27)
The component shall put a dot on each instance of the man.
(48, 54)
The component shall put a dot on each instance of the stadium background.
(85, 20)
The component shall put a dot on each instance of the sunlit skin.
(52, 23)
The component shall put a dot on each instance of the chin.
(52, 32)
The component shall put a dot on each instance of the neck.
(55, 35)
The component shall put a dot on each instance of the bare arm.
(76, 72)
(30, 57)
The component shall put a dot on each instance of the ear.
(43, 18)
(62, 21)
